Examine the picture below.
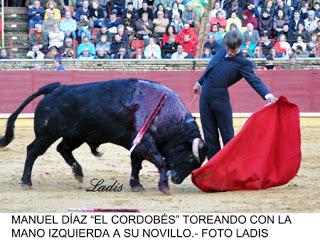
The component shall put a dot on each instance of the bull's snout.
(175, 178)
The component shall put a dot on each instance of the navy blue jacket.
(223, 72)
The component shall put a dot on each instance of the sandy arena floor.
(56, 190)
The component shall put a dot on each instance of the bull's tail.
(4, 141)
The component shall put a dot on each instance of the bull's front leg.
(149, 150)
(160, 163)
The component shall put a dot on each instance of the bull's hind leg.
(136, 165)
(65, 148)
(38, 147)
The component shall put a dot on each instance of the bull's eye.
(191, 158)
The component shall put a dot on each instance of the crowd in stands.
(115, 29)
(169, 29)
(271, 29)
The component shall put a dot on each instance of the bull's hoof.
(79, 178)
(163, 187)
(137, 188)
(25, 186)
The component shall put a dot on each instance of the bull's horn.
(195, 148)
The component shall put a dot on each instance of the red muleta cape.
(265, 153)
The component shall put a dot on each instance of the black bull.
(114, 111)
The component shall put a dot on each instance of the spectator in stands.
(47, 24)
(219, 19)
(313, 53)
(317, 30)
(234, 19)
(212, 44)
(130, 8)
(52, 53)
(56, 37)
(300, 42)
(104, 44)
(3, 54)
(68, 53)
(58, 65)
(169, 48)
(85, 54)
(282, 46)
(84, 25)
(217, 8)
(266, 45)
(288, 33)
(122, 54)
(124, 35)
(311, 22)
(152, 50)
(222, 31)
(101, 54)
(278, 21)
(174, 10)
(190, 16)
(68, 43)
(251, 35)
(170, 34)
(176, 22)
(258, 53)
(265, 24)
(304, 9)
(254, 12)
(104, 4)
(248, 47)
(161, 8)
(302, 31)
(188, 38)
(294, 22)
(180, 54)
(102, 30)
(138, 54)
(145, 10)
(206, 54)
(248, 18)
(35, 14)
(166, 3)
(273, 53)
(35, 53)
(235, 8)
(216, 33)
(69, 26)
(51, 7)
(269, 8)
(144, 27)
(118, 5)
(160, 24)
(129, 23)
(300, 53)
(285, 9)
(313, 42)
(79, 3)
(113, 22)
(116, 44)
(86, 44)
(316, 9)
(96, 14)
(39, 38)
